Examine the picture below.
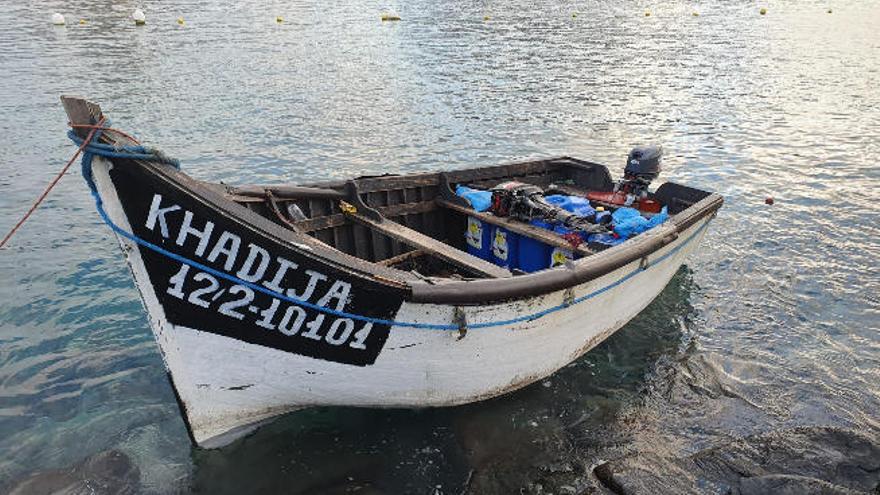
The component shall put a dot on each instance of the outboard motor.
(642, 167)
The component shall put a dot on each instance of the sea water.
(772, 323)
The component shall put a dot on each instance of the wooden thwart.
(520, 228)
(400, 258)
(338, 219)
(431, 246)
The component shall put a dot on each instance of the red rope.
(57, 178)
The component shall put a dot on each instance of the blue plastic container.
(534, 255)
(505, 248)
(478, 237)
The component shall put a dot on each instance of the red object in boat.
(619, 198)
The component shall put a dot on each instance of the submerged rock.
(804, 460)
(108, 472)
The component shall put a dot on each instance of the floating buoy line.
(140, 18)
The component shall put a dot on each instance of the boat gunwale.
(437, 291)
(486, 291)
(457, 292)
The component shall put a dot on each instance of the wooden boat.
(268, 299)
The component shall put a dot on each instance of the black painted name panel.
(174, 220)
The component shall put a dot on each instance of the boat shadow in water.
(531, 439)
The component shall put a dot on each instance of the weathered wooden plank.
(393, 182)
(541, 180)
(378, 242)
(288, 192)
(344, 239)
(517, 227)
(395, 197)
(408, 198)
(432, 246)
(325, 236)
(337, 219)
(400, 258)
(503, 171)
(360, 235)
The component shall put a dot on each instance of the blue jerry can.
(505, 247)
(534, 255)
(478, 240)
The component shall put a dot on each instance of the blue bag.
(628, 222)
(658, 218)
(574, 204)
(479, 200)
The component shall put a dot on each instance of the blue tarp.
(479, 200)
(629, 221)
(574, 204)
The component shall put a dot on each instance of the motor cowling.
(642, 167)
(643, 163)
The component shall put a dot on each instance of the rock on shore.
(803, 461)
(108, 472)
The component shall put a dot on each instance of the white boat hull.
(227, 387)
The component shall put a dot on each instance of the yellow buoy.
(486, 18)
(696, 14)
(82, 21)
(574, 14)
(390, 17)
(180, 21)
(647, 14)
(829, 11)
(139, 18)
(57, 19)
(763, 11)
(279, 19)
